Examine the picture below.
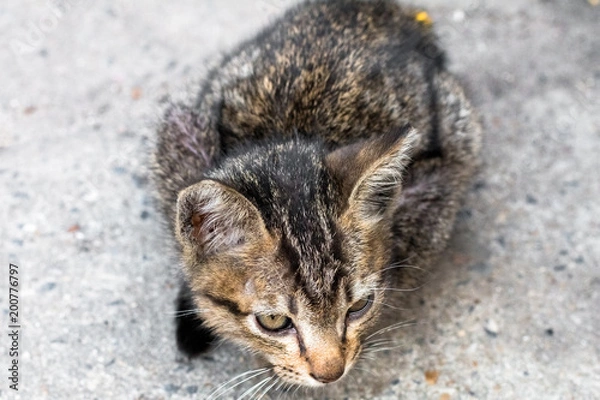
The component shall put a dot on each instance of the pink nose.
(329, 375)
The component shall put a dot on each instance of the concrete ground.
(511, 311)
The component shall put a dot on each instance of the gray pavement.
(511, 311)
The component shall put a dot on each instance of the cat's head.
(284, 249)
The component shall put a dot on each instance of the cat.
(327, 148)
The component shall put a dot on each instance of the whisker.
(396, 289)
(391, 327)
(377, 343)
(404, 266)
(405, 259)
(185, 313)
(268, 388)
(283, 389)
(377, 273)
(368, 371)
(399, 265)
(253, 389)
(387, 329)
(403, 289)
(295, 391)
(288, 386)
(222, 389)
(389, 305)
(380, 349)
(281, 385)
(367, 356)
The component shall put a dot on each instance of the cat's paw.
(193, 338)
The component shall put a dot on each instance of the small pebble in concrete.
(530, 199)
(139, 180)
(464, 214)
(171, 388)
(481, 267)
(119, 170)
(479, 185)
(20, 195)
(30, 110)
(191, 389)
(47, 287)
(458, 16)
(74, 228)
(491, 328)
(501, 241)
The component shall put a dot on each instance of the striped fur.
(328, 147)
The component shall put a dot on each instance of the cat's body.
(326, 149)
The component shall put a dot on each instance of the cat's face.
(257, 298)
(301, 291)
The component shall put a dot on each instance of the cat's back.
(340, 70)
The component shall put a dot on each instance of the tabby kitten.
(329, 147)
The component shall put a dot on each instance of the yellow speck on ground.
(445, 396)
(594, 2)
(425, 19)
(431, 376)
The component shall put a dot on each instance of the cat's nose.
(329, 375)
(329, 370)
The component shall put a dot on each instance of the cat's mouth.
(317, 374)
(310, 379)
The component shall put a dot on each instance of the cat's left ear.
(369, 173)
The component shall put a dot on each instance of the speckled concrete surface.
(511, 310)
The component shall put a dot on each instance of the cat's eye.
(274, 323)
(360, 307)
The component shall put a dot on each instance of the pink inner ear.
(214, 218)
(203, 222)
(197, 222)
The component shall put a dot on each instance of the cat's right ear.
(212, 217)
